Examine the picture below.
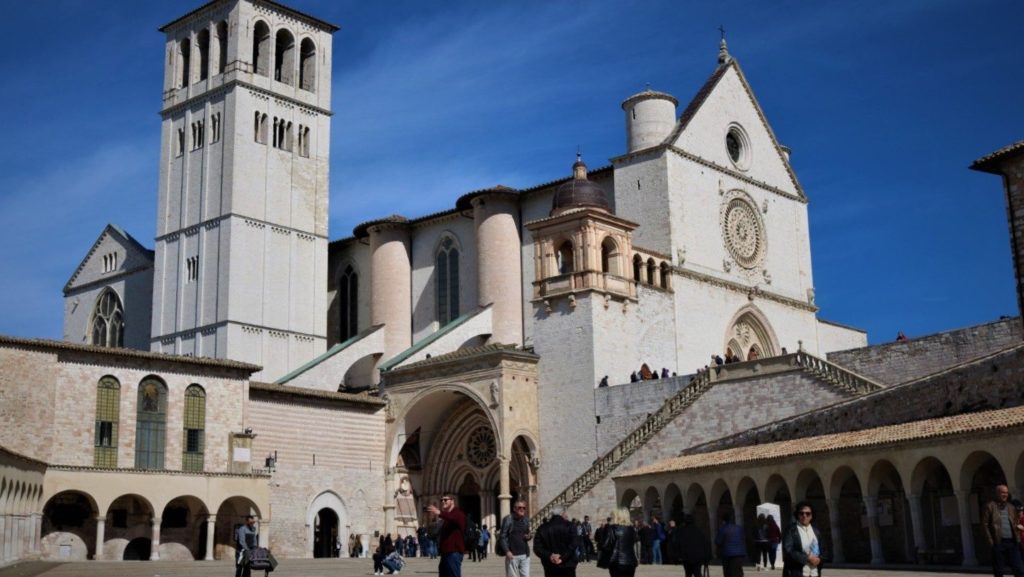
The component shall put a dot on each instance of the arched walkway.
(68, 531)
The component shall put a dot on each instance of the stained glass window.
(151, 422)
(108, 398)
(193, 440)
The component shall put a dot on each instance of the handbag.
(604, 558)
(501, 543)
(261, 559)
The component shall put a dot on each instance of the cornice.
(217, 220)
(207, 94)
(124, 470)
(105, 280)
(735, 174)
(752, 292)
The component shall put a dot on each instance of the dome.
(578, 192)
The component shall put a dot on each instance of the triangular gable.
(113, 237)
(722, 98)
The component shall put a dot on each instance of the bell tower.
(241, 236)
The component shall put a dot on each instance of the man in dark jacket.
(1000, 520)
(694, 547)
(450, 536)
(555, 544)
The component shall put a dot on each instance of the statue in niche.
(495, 393)
(405, 501)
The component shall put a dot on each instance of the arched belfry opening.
(749, 336)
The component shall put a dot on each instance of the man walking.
(449, 537)
(245, 541)
(1000, 519)
(513, 537)
(556, 545)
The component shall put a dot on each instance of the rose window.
(481, 447)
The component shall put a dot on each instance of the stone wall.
(992, 382)
(328, 455)
(899, 362)
(717, 413)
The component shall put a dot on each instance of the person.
(618, 546)
(774, 538)
(803, 550)
(1001, 522)
(599, 534)
(761, 542)
(449, 536)
(732, 546)
(664, 372)
(471, 536)
(399, 544)
(900, 337)
(604, 381)
(556, 545)
(514, 535)
(393, 562)
(588, 544)
(694, 547)
(378, 560)
(411, 545)
(633, 378)
(246, 539)
(485, 538)
(657, 538)
(672, 543)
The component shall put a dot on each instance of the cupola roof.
(579, 192)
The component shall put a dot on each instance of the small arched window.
(108, 402)
(261, 48)
(446, 272)
(609, 256)
(193, 439)
(222, 47)
(651, 271)
(150, 424)
(638, 267)
(203, 44)
(185, 62)
(307, 65)
(665, 275)
(108, 320)
(348, 304)
(564, 258)
(284, 57)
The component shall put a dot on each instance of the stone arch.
(721, 500)
(127, 519)
(652, 272)
(261, 48)
(665, 276)
(307, 65)
(523, 461)
(749, 327)
(106, 323)
(652, 503)
(447, 274)
(611, 256)
(638, 266)
(747, 500)
(673, 503)
(183, 529)
(885, 485)
(203, 47)
(346, 285)
(460, 388)
(848, 493)
(565, 256)
(980, 472)
(776, 490)
(931, 483)
(629, 499)
(231, 514)
(284, 56)
(1018, 474)
(320, 535)
(697, 505)
(68, 530)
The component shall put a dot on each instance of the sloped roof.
(330, 353)
(110, 229)
(469, 352)
(892, 434)
(990, 162)
(299, 392)
(431, 338)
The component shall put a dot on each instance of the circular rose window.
(481, 448)
(743, 232)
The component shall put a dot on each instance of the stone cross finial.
(723, 49)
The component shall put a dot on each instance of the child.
(378, 561)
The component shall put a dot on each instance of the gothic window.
(150, 424)
(193, 440)
(198, 134)
(222, 45)
(109, 262)
(191, 269)
(651, 271)
(108, 398)
(348, 304)
(261, 48)
(203, 44)
(108, 320)
(564, 258)
(307, 65)
(638, 266)
(185, 62)
(284, 57)
(446, 272)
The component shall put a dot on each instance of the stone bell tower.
(241, 239)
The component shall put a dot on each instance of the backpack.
(471, 535)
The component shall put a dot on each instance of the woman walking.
(618, 552)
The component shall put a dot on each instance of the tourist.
(664, 372)
(513, 538)
(671, 545)
(618, 546)
(803, 550)
(694, 547)
(657, 538)
(399, 544)
(1001, 523)
(449, 536)
(633, 377)
(761, 542)
(732, 546)
(604, 382)
(246, 539)
(378, 560)
(411, 545)
(485, 538)
(774, 538)
(588, 544)
(556, 545)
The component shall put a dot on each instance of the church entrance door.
(325, 533)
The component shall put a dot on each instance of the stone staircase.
(820, 369)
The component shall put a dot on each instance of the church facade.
(334, 388)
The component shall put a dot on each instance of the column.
(37, 531)
(154, 551)
(3, 538)
(101, 525)
(504, 485)
(837, 535)
(966, 534)
(389, 501)
(871, 506)
(211, 528)
(917, 523)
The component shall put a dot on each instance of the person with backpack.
(732, 546)
(470, 537)
(484, 539)
(513, 541)
(449, 537)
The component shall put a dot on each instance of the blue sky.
(883, 103)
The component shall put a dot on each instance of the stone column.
(391, 285)
(101, 525)
(264, 533)
(3, 538)
(154, 551)
(37, 531)
(837, 535)
(504, 488)
(389, 502)
(211, 529)
(871, 506)
(499, 262)
(963, 499)
(917, 521)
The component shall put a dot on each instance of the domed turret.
(650, 118)
(578, 192)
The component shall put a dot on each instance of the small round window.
(738, 147)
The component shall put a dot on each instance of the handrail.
(830, 372)
(607, 463)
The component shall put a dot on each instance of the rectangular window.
(104, 434)
(181, 142)
(193, 440)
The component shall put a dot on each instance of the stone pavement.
(363, 568)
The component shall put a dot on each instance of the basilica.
(249, 363)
